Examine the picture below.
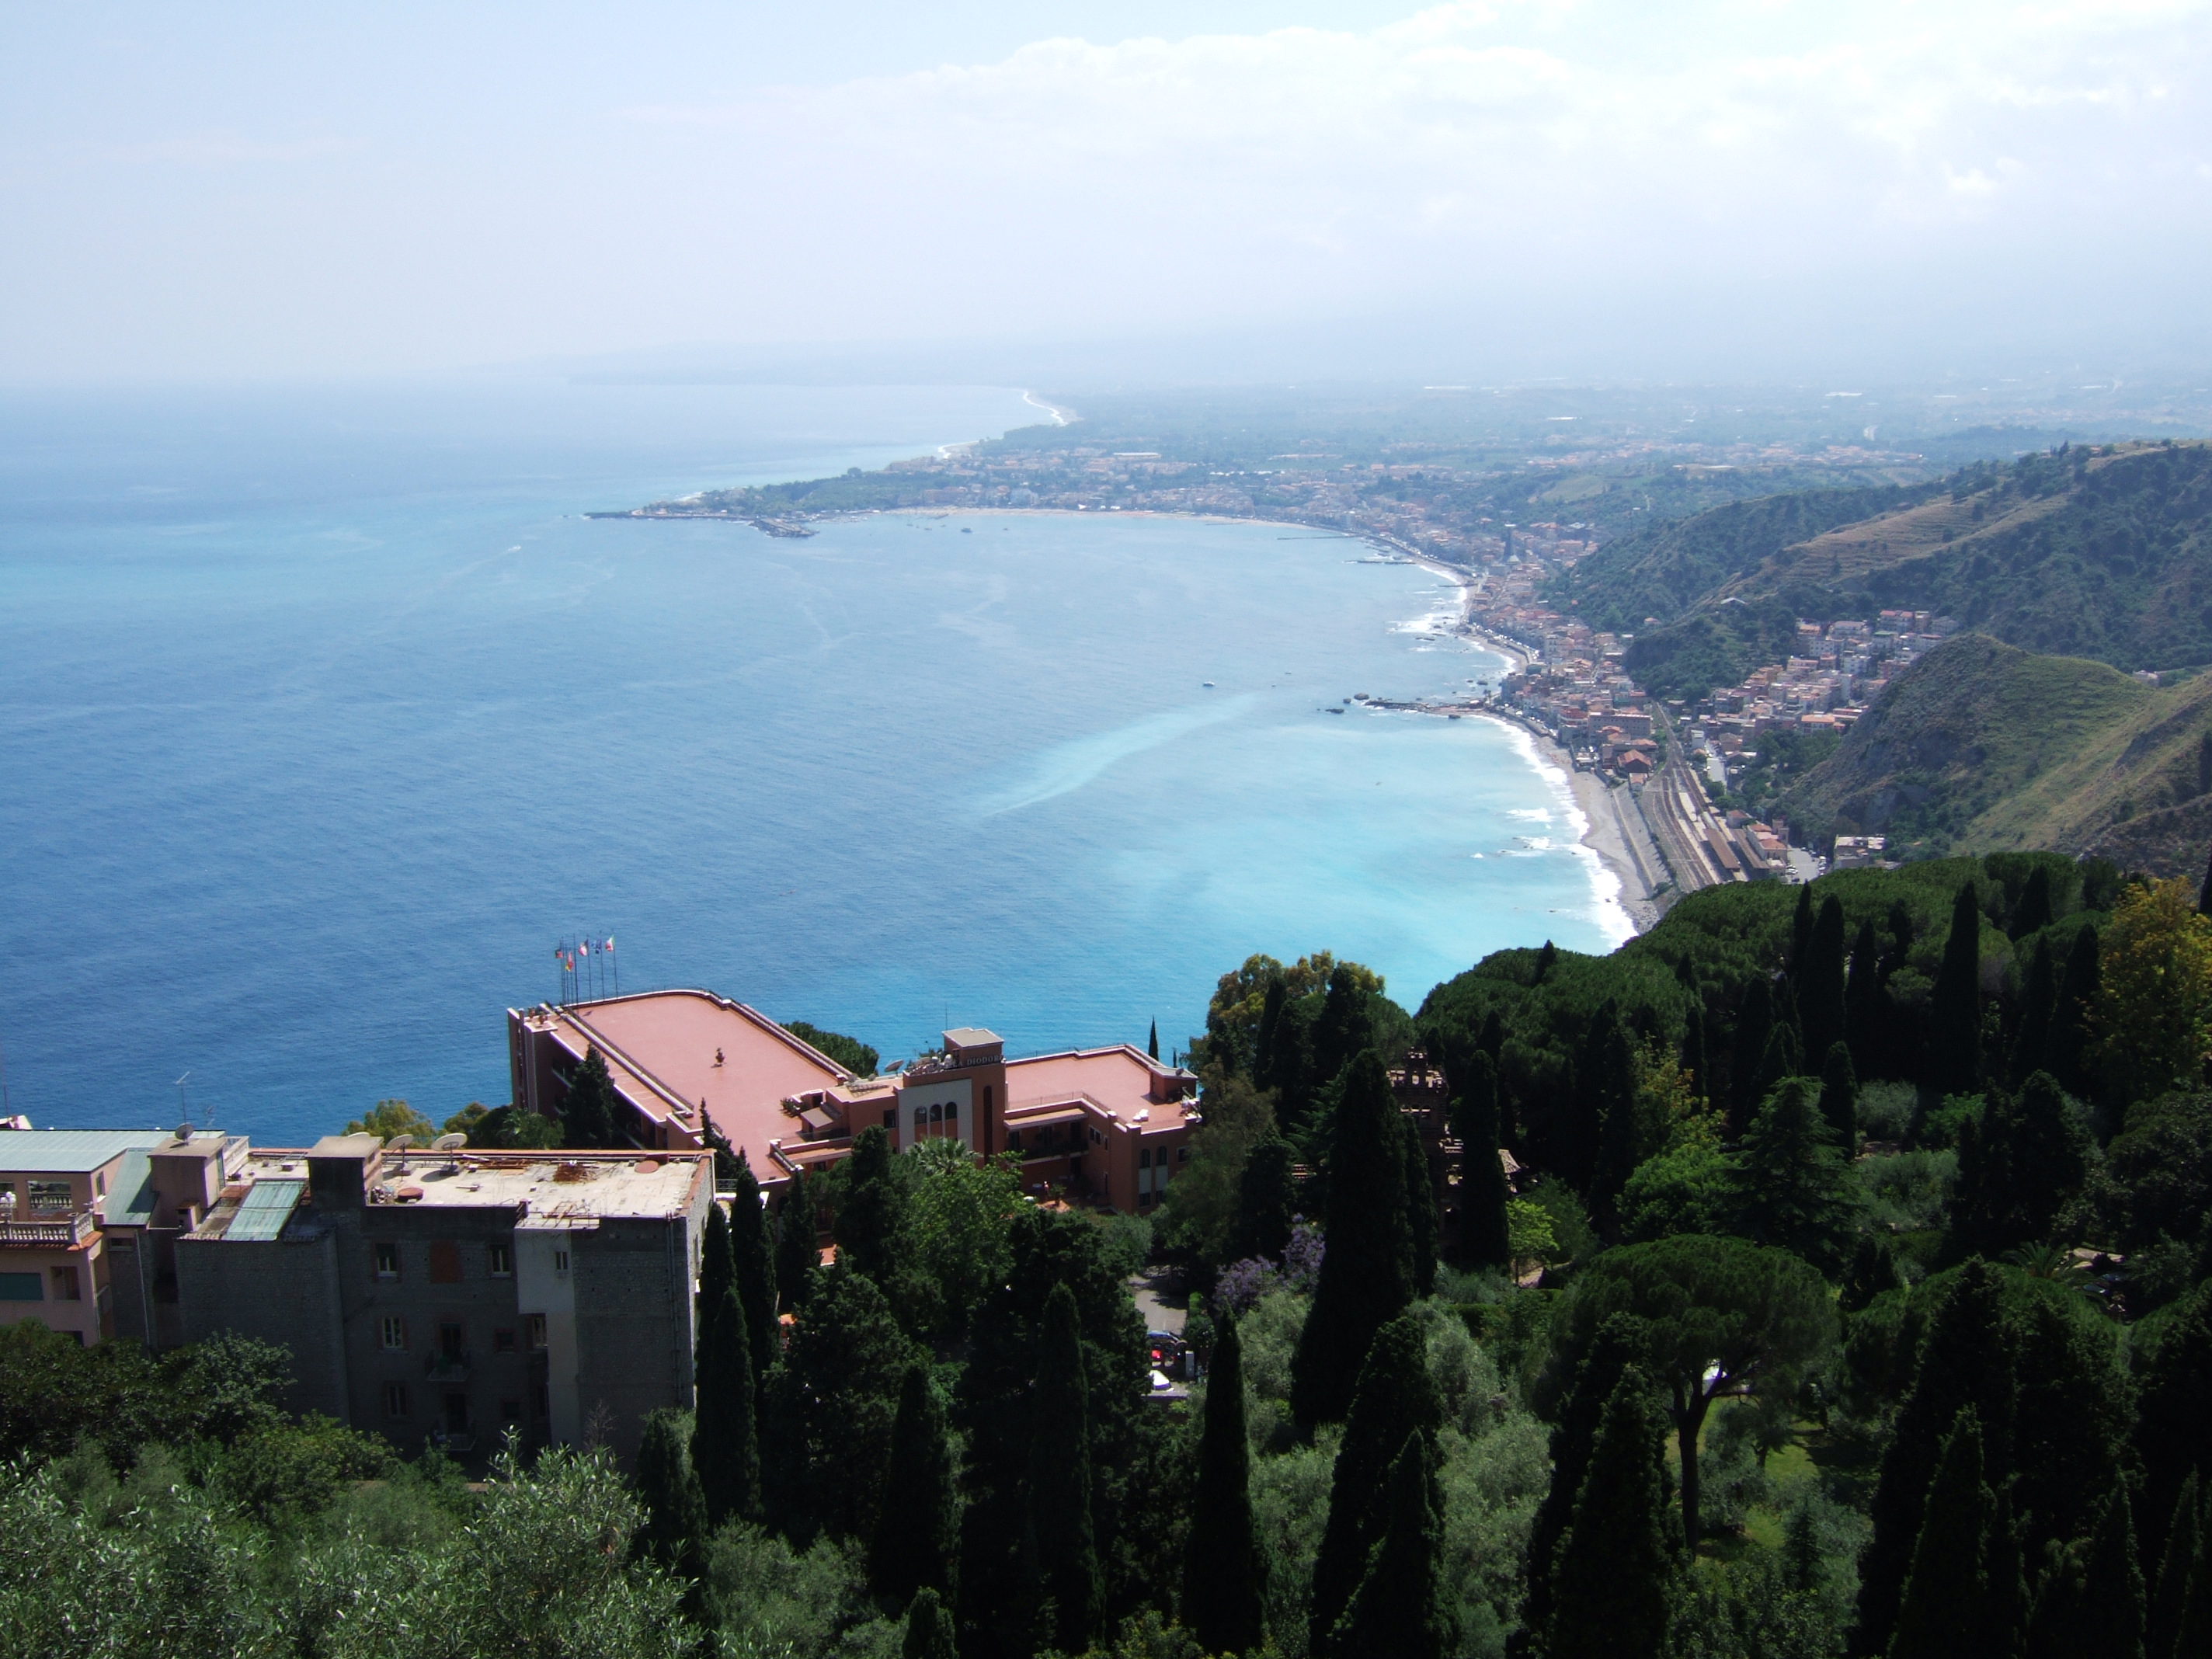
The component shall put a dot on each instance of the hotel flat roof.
(70, 1151)
(660, 1047)
(1118, 1080)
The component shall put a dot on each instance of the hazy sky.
(206, 189)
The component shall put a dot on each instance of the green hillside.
(2104, 554)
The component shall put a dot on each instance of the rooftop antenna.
(184, 1111)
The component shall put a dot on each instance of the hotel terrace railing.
(60, 1232)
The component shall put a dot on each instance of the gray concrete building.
(453, 1296)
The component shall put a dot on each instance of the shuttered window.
(445, 1262)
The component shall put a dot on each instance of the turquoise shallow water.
(323, 716)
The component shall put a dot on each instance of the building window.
(22, 1287)
(445, 1262)
(395, 1400)
(1182, 1154)
(533, 1332)
(393, 1331)
(502, 1342)
(891, 1119)
(1013, 1140)
(503, 1261)
(68, 1287)
(1144, 1199)
(50, 1194)
(560, 1261)
(387, 1260)
(510, 1413)
(99, 1185)
(1144, 1158)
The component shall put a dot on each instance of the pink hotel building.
(1110, 1126)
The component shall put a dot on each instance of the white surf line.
(1058, 417)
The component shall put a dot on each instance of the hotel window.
(1013, 1140)
(387, 1260)
(533, 1332)
(393, 1331)
(50, 1194)
(1182, 1154)
(503, 1261)
(502, 1342)
(68, 1287)
(891, 1119)
(1144, 1158)
(395, 1400)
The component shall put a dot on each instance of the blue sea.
(325, 716)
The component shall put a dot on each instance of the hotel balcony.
(55, 1232)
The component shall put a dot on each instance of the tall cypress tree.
(868, 1216)
(1367, 1271)
(2204, 891)
(1941, 1603)
(1395, 1398)
(750, 1257)
(2089, 1600)
(718, 1269)
(1423, 1224)
(2070, 1034)
(1347, 1025)
(2038, 1001)
(1965, 1361)
(2173, 1417)
(2033, 913)
(1271, 1019)
(1864, 998)
(1624, 1139)
(1058, 1549)
(1694, 1056)
(675, 1529)
(587, 1114)
(798, 1248)
(929, 1629)
(1955, 1006)
(725, 1429)
(1400, 1609)
(917, 1538)
(1789, 1186)
(1839, 1098)
(1754, 1025)
(1152, 1041)
(1267, 1199)
(1224, 1576)
(2018, 1168)
(1483, 1195)
(1612, 1572)
(1820, 981)
(1800, 931)
(1617, 1346)
(2177, 1561)
(2003, 1617)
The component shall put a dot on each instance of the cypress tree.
(1614, 1568)
(1864, 998)
(798, 1248)
(1820, 981)
(1492, 1040)
(1621, 1141)
(1965, 1361)
(2023, 1161)
(867, 1220)
(1546, 959)
(587, 1114)
(1152, 1041)
(1693, 1052)
(1400, 1609)
(750, 1257)
(2204, 891)
(1839, 1098)
(2195, 1638)
(1616, 1346)
(2004, 1608)
(2173, 1418)
(1423, 1223)
(675, 1529)
(1901, 934)
(1059, 1554)
(1784, 1058)
(2169, 1604)
(929, 1629)
(2089, 1602)
(2069, 1024)
(1396, 1398)
(917, 1544)
(1367, 1271)
(1483, 1195)
(1800, 931)
(1754, 1025)
(717, 1264)
(1945, 1588)
(2033, 913)
(1224, 1576)
(1267, 1199)
(1271, 1018)
(1955, 1006)
(726, 1430)
(2038, 1003)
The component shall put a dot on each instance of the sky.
(216, 192)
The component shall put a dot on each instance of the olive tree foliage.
(1725, 1319)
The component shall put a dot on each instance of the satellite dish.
(449, 1143)
(399, 1143)
(184, 1131)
